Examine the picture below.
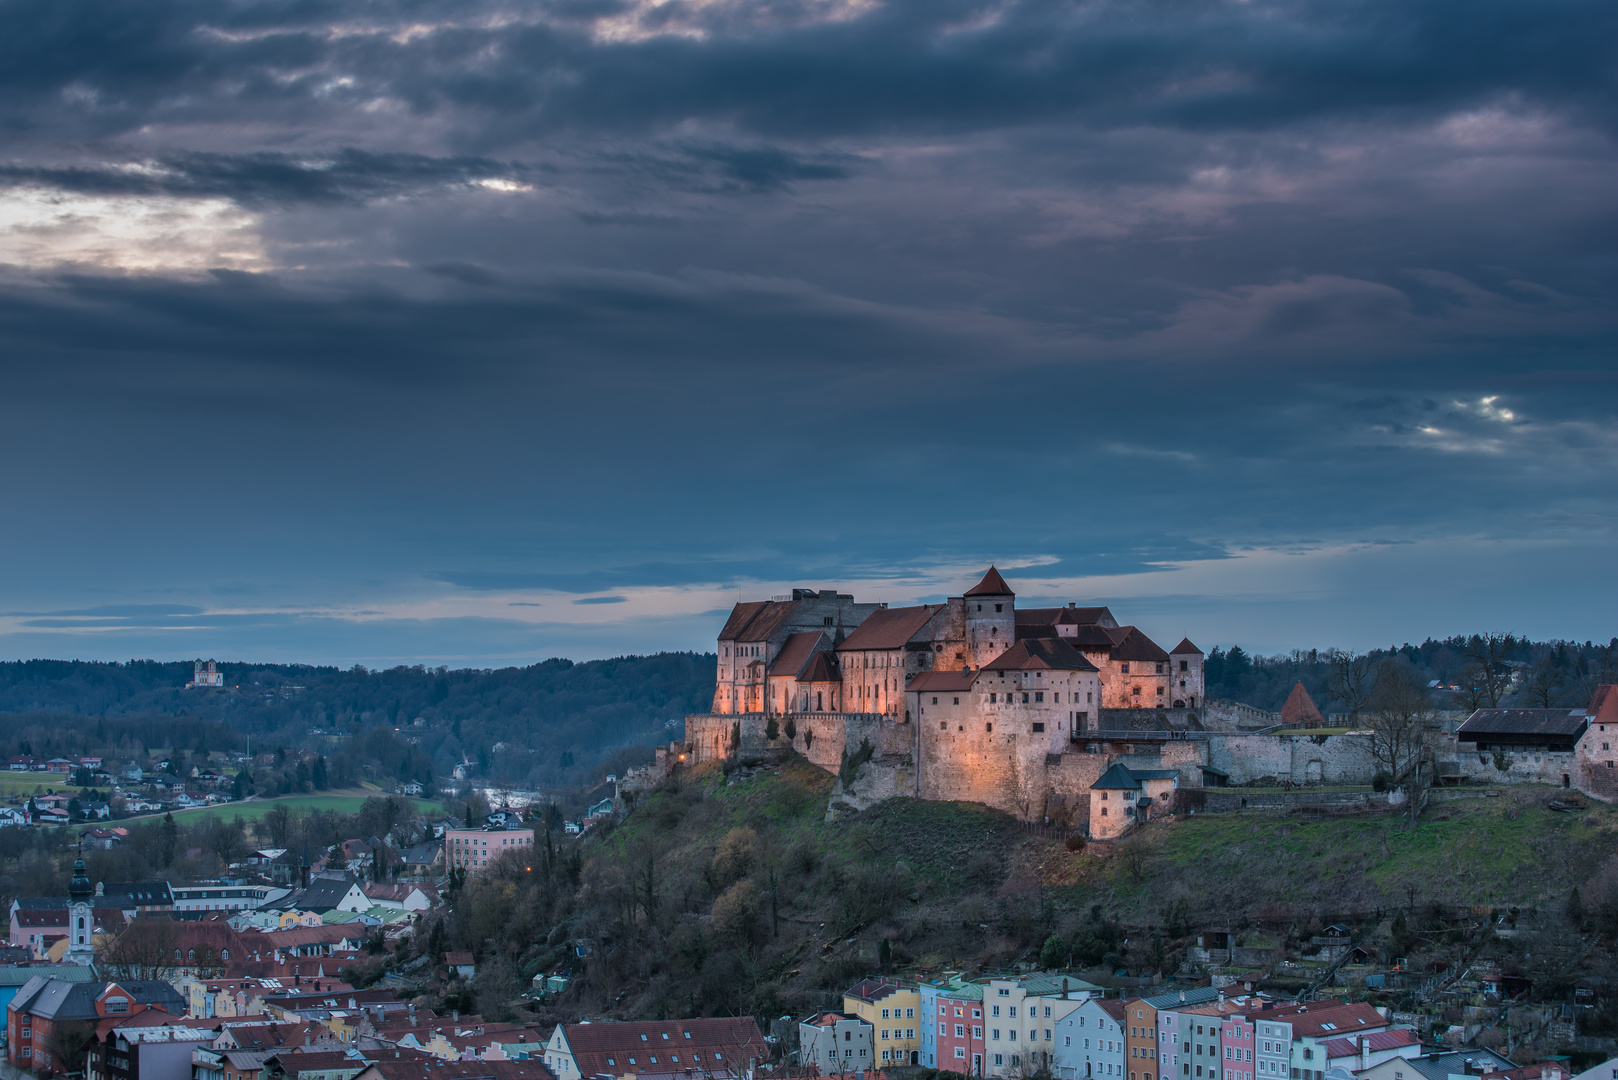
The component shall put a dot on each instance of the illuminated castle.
(970, 699)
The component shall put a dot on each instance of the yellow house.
(892, 1010)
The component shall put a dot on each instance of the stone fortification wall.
(1301, 759)
(1220, 715)
(1149, 720)
(1522, 767)
(1231, 800)
(819, 737)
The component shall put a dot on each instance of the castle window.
(1039, 695)
(988, 727)
(1124, 667)
(997, 607)
(1136, 691)
(991, 697)
(1025, 697)
(1160, 669)
(935, 701)
(943, 725)
(1184, 666)
(1039, 727)
(1159, 691)
(957, 701)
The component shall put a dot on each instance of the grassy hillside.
(737, 895)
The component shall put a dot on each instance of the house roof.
(1131, 644)
(1045, 984)
(871, 990)
(459, 959)
(323, 894)
(1115, 1008)
(734, 1038)
(1199, 996)
(1604, 704)
(1185, 648)
(1300, 708)
(1063, 616)
(889, 628)
(740, 616)
(296, 936)
(822, 667)
(1040, 654)
(1340, 1019)
(757, 620)
(416, 1067)
(941, 682)
(991, 585)
(1440, 1066)
(1391, 1039)
(1117, 778)
(1093, 638)
(1562, 722)
(58, 999)
(138, 893)
(795, 652)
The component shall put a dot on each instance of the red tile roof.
(796, 652)
(822, 668)
(991, 585)
(1335, 1021)
(1391, 1039)
(1134, 645)
(941, 682)
(1603, 708)
(889, 628)
(726, 1041)
(1185, 648)
(1300, 708)
(1040, 654)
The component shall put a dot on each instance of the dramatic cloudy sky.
(488, 331)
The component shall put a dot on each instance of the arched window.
(224, 954)
(191, 954)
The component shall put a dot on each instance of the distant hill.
(554, 722)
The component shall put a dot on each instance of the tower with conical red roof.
(991, 619)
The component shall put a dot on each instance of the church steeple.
(80, 917)
(80, 888)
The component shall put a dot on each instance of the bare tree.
(1543, 690)
(1401, 728)
(1488, 653)
(67, 1045)
(1352, 679)
(147, 949)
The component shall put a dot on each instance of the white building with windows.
(836, 1043)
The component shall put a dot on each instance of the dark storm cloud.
(266, 178)
(512, 72)
(347, 316)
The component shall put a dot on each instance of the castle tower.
(80, 918)
(1185, 687)
(991, 619)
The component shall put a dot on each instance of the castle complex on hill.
(1054, 714)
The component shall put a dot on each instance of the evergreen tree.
(168, 840)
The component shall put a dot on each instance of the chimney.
(1182, 997)
(306, 1040)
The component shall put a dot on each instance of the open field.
(21, 785)
(348, 802)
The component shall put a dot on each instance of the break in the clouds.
(481, 332)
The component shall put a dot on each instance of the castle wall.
(1308, 759)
